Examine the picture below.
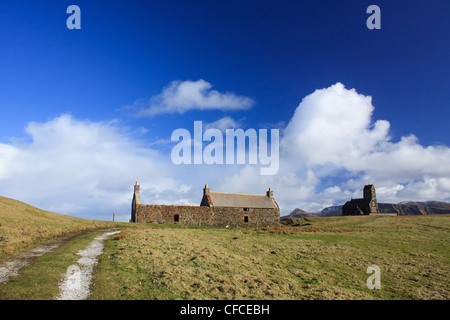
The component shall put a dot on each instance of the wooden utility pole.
(114, 216)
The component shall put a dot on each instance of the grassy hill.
(325, 258)
(23, 226)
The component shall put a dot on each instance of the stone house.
(216, 209)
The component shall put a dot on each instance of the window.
(246, 209)
(246, 219)
(176, 218)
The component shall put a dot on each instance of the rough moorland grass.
(40, 280)
(23, 226)
(326, 259)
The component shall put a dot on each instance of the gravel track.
(77, 280)
(11, 266)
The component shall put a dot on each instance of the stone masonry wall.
(236, 217)
(188, 215)
(207, 216)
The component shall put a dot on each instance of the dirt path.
(10, 267)
(77, 281)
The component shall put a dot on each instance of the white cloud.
(182, 96)
(332, 136)
(223, 123)
(82, 168)
(332, 126)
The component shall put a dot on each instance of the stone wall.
(206, 216)
(189, 215)
(236, 217)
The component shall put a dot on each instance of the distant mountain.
(415, 208)
(403, 209)
(435, 204)
(407, 208)
(330, 211)
(298, 213)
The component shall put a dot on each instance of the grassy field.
(324, 258)
(23, 226)
(327, 258)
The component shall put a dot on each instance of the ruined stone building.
(367, 205)
(216, 209)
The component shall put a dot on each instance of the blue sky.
(57, 86)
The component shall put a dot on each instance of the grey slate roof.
(238, 200)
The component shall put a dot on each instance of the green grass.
(326, 259)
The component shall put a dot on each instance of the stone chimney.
(206, 190)
(137, 196)
(136, 187)
(135, 203)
